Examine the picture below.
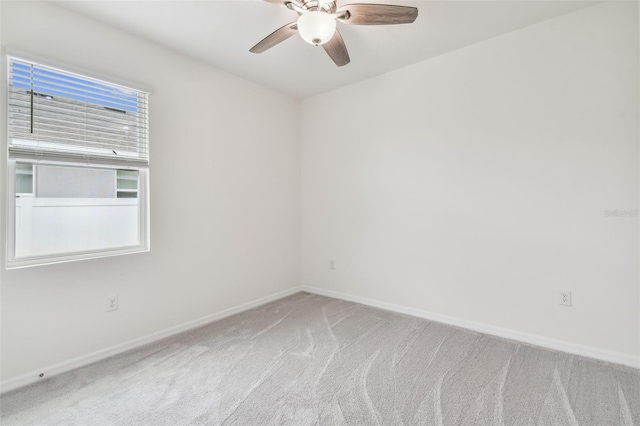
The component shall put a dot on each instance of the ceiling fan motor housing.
(328, 6)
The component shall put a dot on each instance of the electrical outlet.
(332, 264)
(565, 298)
(111, 303)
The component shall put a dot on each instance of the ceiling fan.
(317, 23)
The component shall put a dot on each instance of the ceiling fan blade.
(376, 14)
(337, 50)
(276, 37)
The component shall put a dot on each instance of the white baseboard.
(81, 361)
(573, 348)
(559, 345)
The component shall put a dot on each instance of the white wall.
(474, 185)
(214, 143)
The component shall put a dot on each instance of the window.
(78, 166)
(24, 180)
(127, 184)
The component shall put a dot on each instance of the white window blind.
(60, 116)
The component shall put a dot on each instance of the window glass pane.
(74, 209)
(127, 184)
(24, 184)
(130, 194)
(24, 178)
(74, 182)
(127, 179)
(49, 83)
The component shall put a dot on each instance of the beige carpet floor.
(312, 360)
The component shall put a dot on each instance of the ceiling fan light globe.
(316, 27)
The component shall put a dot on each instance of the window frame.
(144, 224)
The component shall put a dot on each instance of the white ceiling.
(222, 32)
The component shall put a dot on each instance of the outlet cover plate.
(111, 303)
(565, 298)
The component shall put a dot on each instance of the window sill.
(26, 262)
